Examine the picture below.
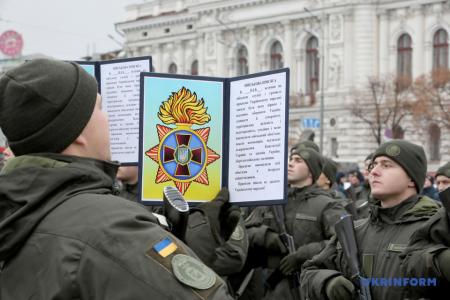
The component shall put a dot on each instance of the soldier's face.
(442, 182)
(128, 174)
(298, 171)
(323, 182)
(353, 180)
(388, 180)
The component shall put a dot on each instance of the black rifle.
(444, 196)
(176, 210)
(345, 233)
(288, 241)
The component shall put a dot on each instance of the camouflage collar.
(412, 209)
(31, 161)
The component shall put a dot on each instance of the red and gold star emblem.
(182, 153)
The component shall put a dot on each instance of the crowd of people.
(71, 226)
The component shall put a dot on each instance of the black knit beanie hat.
(312, 158)
(329, 169)
(306, 144)
(45, 105)
(444, 170)
(409, 156)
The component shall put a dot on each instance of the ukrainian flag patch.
(165, 247)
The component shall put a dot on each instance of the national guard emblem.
(393, 150)
(182, 153)
(304, 154)
(192, 272)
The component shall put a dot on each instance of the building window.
(440, 50)
(173, 68)
(242, 63)
(166, 30)
(334, 147)
(276, 56)
(194, 67)
(312, 65)
(404, 57)
(189, 27)
(434, 142)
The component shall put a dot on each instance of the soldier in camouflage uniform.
(217, 234)
(397, 174)
(428, 254)
(310, 214)
(327, 179)
(63, 234)
(443, 177)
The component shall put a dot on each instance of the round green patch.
(238, 233)
(393, 150)
(193, 272)
(304, 154)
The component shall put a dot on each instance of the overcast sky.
(64, 29)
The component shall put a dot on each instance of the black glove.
(293, 262)
(339, 288)
(229, 218)
(219, 213)
(273, 244)
(443, 260)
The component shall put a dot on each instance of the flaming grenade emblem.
(182, 153)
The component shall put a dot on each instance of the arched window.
(242, 63)
(173, 68)
(440, 50)
(194, 67)
(312, 65)
(276, 56)
(434, 142)
(404, 56)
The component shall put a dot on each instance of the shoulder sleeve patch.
(188, 270)
(192, 272)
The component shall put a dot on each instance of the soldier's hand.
(292, 262)
(229, 218)
(339, 288)
(215, 210)
(273, 244)
(443, 260)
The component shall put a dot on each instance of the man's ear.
(411, 184)
(80, 140)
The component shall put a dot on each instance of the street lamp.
(322, 76)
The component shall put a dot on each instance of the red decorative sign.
(11, 43)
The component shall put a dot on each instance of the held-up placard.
(203, 133)
(119, 84)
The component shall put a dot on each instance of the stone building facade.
(332, 47)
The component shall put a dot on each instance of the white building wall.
(359, 36)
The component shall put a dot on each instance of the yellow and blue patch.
(165, 247)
